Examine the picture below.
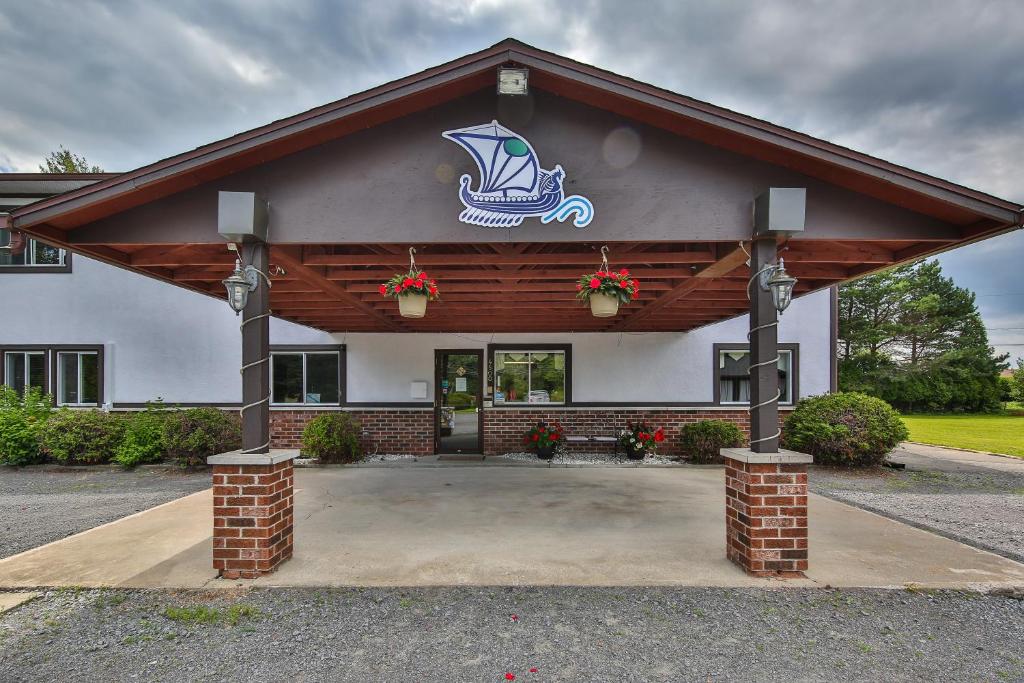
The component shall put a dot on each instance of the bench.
(594, 438)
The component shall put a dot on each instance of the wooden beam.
(450, 259)
(290, 258)
(442, 276)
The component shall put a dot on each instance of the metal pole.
(764, 346)
(256, 347)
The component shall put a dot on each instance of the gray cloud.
(937, 86)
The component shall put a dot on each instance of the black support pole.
(256, 347)
(764, 347)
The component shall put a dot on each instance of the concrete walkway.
(506, 526)
(921, 456)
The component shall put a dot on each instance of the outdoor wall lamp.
(776, 280)
(239, 284)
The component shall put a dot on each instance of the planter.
(634, 454)
(545, 452)
(603, 305)
(412, 305)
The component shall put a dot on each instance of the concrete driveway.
(470, 525)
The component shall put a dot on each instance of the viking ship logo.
(513, 186)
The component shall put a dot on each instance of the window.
(531, 375)
(18, 251)
(306, 377)
(732, 374)
(78, 378)
(24, 369)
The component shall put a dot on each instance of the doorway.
(458, 401)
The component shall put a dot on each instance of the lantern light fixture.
(239, 284)
(776, 280)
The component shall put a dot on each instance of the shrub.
(332, 437)
(844, 429)
(82, 437)
(460, 400)
(190, 436)
(702, 441)
(143, 436)
(21, 421)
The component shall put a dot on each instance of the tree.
(1017, 381)
(66, 161)
(912, 337)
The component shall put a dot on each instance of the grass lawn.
(993, 433)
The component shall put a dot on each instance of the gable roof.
(554, 73)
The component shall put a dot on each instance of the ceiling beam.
(458, 259)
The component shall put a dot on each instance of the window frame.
(26, 349)
(55, 354)
(304, 349)
(794, 372)
(65, 267)
(527, 348)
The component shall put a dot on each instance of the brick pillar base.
(252, 514)
(766, 511)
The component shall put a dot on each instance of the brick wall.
(390, 430)
(411, 431)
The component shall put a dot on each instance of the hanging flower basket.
(606, 290)
(413, 290)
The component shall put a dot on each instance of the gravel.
(45, 503)
(480, 634)
(980, 507)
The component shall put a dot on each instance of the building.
(505, 173)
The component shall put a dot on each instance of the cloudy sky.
(934, 85)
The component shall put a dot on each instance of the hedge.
(844, 429)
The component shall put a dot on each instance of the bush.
(82, 437)
(332, 437)
(21, 421)
(460, 400)
(844, 429)
(702, 441)
(190, 436)
(143, 436)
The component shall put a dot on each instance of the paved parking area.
(41, 504)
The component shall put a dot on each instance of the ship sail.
(507, 163)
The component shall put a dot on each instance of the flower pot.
(603, 305)
(545, 452)
(412, 305)
(634, 453)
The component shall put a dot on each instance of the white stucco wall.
(165, 341)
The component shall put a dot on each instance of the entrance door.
(458, 399)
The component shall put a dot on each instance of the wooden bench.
(594, 438)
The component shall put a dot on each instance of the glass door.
(458, 399)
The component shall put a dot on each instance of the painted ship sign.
(513, 186)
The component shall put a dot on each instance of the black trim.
(489, 389)
(438, 354)
(794, 349)
(341, 350)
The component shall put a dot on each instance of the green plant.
(407, 284)
(190, 436)
(143, 436)
(460, 400)
(543, 435)
(618, 285)
(702, 441)
(21, 421)
(844, 429)
(641, 438)
(332, 437)
(82, 437)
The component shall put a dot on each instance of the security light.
(512, 81)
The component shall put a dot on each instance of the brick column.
(766, 511)
(252, 513)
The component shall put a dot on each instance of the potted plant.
(606, 289)
(544, 439)
(640, 439)
(413, 290)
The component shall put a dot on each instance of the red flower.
(419, 284)
(432, 289)
(595, 283)
(659, 435)
(624, 272)
(509, 676)
(383, 290)
(398, 288)
(422, 276)
(407, 282)
(622, 284)
(536, 437)
(578, 286)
